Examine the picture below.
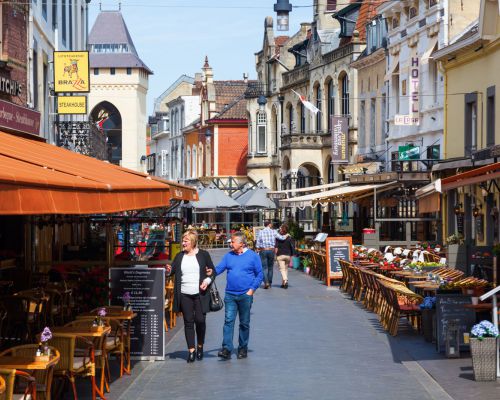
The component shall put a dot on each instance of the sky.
(172, 37)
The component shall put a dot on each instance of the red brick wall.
(14, 49)
(233, 149)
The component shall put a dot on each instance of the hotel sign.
(19, 119)
(71, 72)
(72, 105)
(413, 117)
(340, 130)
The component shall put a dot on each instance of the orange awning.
(473, 176)
(39, 178)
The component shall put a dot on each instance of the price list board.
(146, 287)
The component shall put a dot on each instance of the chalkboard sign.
(146, 287)
(460, 223)
(451, 307)
(337, 248)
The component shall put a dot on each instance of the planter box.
(484, 359)
(457, 256)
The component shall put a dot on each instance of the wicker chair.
(71, 365)
(43, 377)
(100, 354)
(169, 302)
(9, 378)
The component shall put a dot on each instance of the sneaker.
(242, 353)
(224, 353)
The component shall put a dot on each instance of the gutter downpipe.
(444, 214)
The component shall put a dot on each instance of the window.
(395, 91)
(112, 71)
(291, 123)
(345, 95)
(331, 104)
(96, 71)
(129, 71)
(433, 76)
(383, 111)
(432, 3)
(71, 24)
(331, 5)
(195, 159)
(44, 9)
(372, 123)
(470, 123)
(302, 118)
(35, 77)
(319, 115)
(413, 12)
(261, 133)
(490, 116)
(188, 164)
(64, 9)
(395, 22)
(361, 135)
(164, 162)
(54, 14)
(433, 152)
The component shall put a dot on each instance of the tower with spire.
(119, 85)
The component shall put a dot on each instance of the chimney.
(245, 77)
(207, 70)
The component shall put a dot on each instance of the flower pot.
(483, 354)
(428, 317)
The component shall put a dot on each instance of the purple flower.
(46, 335)
(102, 312)
(126, 297)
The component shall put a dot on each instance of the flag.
(307, 104)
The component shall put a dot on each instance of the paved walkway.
(307, 342)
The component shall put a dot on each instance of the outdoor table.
(426, 286)
(27, 363)
(122, 316)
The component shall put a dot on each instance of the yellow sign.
(72, 105)
(71, 71)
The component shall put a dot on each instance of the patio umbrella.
(213, 198)
(256, 198)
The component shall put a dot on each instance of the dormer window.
(347, 18)
(413, 12)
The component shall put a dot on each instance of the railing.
(82, 137)
(304, 140)
(338, 53)
(296, 75)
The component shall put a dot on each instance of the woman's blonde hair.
(192, 235)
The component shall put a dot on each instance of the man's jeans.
(267, 259)
(236, 304)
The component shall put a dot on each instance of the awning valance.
(471, 177)
(429, 189)
(284, 194)
(39, 178)
(340, 194)
(430, 203)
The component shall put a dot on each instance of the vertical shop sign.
(340, 127)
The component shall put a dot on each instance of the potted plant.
(306, 263)
(456, 251)
(428, 308)
(483, 348)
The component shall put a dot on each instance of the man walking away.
(266, 242)
(244, 275)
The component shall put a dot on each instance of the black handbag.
(216, 302)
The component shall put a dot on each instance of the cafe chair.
(169, 303)
(24, 379)
(16, 327)
(73, 364)
(100, 354)
(43, 378)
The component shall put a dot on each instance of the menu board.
(451, 307)
(337, 248)
(147, 299)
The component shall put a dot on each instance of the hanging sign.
(72, 105)
(71, 72)
(340, 130)
(409, 152)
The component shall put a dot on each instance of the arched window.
(261, 133)
(302, 116)
(345, 95)
(331, 104)
(291, 122)
(250, 138)
(182, 117)
(275, 127)
(319, 115)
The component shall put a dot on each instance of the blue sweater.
(244, 272)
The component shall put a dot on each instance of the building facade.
(119, 85)
(60, 25)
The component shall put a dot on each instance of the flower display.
(483, 330)
(46, 335)
(126, 297)
(456, 238)
(429, 303)
(102, 312)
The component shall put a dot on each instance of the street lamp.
(282, 9)
(262, 101)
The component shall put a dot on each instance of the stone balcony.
(312, 140)
(296, 76)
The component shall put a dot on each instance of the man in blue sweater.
(244, 275)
